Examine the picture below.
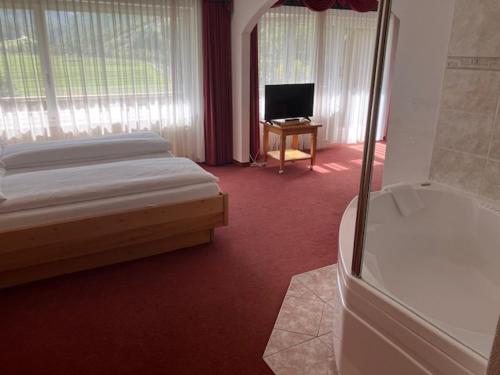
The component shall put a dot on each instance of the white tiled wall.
(467, 145)
(420, 61)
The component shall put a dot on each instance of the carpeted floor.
(204, 310)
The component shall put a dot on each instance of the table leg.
(265, 142)
(314, 139)
(295, 142)
(282, 153)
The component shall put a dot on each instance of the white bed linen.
(48, 215)
(26, 191)
(53, 153)
(11, 172)
(2, 174)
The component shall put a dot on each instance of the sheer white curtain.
(333, 49)
(110, 66)
(344, 91)
(23, 113)
(288, 39)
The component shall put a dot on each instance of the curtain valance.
(319, 5)
(322, 5)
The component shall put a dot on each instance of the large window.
(90, 67)
(333, 49)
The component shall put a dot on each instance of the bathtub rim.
(354, 290)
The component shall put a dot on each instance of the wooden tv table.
(292, 154)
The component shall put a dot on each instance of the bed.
(67, 206)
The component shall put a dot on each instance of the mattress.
(54, 214)
(59, 186)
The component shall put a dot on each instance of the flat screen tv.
(289, 101)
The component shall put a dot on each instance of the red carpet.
(204, 310)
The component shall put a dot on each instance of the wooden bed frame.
(45, 251)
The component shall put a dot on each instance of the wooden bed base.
(41, 252)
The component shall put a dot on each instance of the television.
(289, 101)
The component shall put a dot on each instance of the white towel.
(406, 198)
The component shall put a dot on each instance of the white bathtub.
(429, 300)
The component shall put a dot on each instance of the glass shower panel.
(432, 230)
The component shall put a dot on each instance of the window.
(90, 67)
(333, 49)
(288, 38)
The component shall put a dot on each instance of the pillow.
(45, 154)
(2, 196)
(2, 148)
(2, 173)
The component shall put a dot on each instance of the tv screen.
(289, 101)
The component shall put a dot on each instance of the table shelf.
(290, 155)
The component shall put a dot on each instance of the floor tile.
(310, 358)
(326, 324)
(322, 281)
(300, 315)
(302, 339)
(297, 289)
(281, 340)
(327, 340)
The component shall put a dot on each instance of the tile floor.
(302, 339)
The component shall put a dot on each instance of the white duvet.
(84, 183)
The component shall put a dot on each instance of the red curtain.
(322, 5)
(363, 5)
(279, 3)
(254, 95)
(217, 89)
(319, 5)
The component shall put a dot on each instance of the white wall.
(424, 34)
(245, 17)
